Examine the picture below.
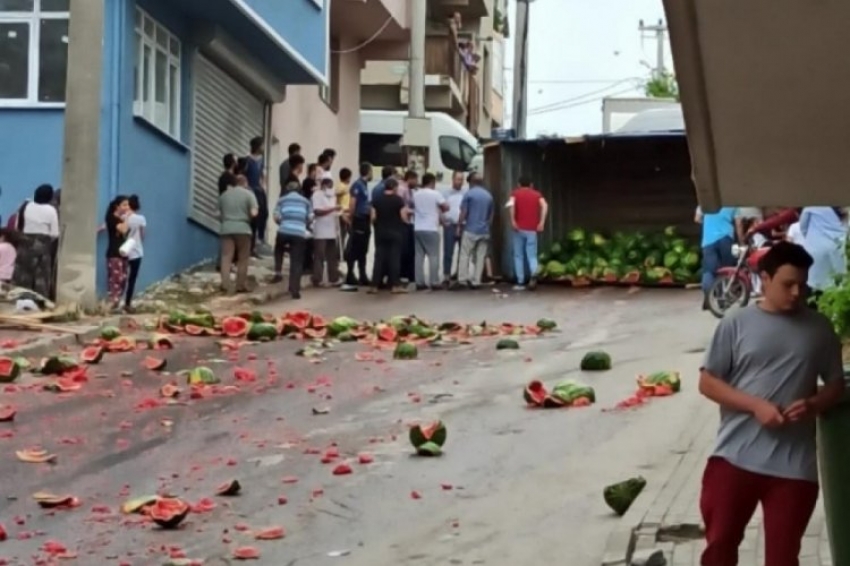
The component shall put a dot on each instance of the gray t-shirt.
(777, 357)
(236, 204)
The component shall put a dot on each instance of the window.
(33, 51)
(456, 154)
(157, 75)
(330, 94)
(382, 149)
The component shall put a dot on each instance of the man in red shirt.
(528, 215)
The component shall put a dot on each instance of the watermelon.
(659, 380)
(507, 344)
(262, 331)
(298, 319)
(160, 342)
(56, 365)
(202, 376)
(194, 330)
(596, 361)
(317, 322)
(569, 391)
(546, 324)
(168, 512)
(91, 355)
(121, 344)
(535, 393)
(342, 324)
(620, 496)
(434, 432)
(387, 333)
(235, 326)
(154, 364)
(110, 333)
(9, 370)
(405, 351)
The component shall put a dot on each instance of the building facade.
(183, 83)
(464, 66)
(320, 117)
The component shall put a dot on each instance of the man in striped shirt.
(293, 214)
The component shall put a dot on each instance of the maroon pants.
(729, 499)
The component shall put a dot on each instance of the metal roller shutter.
(226, 118)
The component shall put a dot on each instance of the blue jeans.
(715, 256)
(525, 249)
(449, 240)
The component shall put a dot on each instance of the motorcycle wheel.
(725, 292)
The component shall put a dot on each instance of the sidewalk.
(668, 518)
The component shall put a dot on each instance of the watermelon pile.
(633, 258)
(402, 332)
(567, 393)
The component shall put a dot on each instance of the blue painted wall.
(301, 22)
(135, 157)
(30, 153)
(153, 165)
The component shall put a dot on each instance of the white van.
(452, 148)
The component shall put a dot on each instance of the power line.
(582, 96)
(574, 81)
(568, 106)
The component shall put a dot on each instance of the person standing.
(238, 208)
(528, 217)
(292, 214)
(323, 167)
(229, 162)
(285, 169)
(428, 207)
(116, 262)
(762, 369)
(406, 188)
(37, 221)
(325, 234)
(473, 230)
(824, 237)
(360, 214)
(451, 223)
(387, 172)
(136, 225)
(718, 235)
(390, 215)
(255, 173)
(343, 197)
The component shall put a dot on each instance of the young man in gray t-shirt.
(762, 368)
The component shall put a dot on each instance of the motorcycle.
(734, 285)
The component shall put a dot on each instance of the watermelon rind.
(418, 434)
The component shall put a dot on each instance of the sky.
(579, 52)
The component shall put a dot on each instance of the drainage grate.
(683, 532)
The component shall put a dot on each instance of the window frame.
(147, 41)
(33, 20)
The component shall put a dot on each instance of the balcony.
(452, 83)
(468, 9)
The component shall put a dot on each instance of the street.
(514, 485)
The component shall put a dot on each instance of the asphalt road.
(515, 486)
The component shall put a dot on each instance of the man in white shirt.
(454, 197)
(428, 207)
(325, 233)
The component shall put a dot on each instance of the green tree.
(662, 85)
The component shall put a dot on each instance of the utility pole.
(520, 88)
(417, 126)
(77, 261)
(660, 31)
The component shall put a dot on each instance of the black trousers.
(261, 221)
(387, 260)
(294, 246)
(134, 265)
(408, 255)
(357, 250)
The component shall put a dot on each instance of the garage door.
(226, 118)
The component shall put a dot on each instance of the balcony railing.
(443, 58)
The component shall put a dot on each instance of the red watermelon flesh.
(535, 393)
(298, 319)
(387, 334)
(318, 322)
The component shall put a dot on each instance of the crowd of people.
(821, 230)
(325, 220)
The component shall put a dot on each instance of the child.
(8, 255)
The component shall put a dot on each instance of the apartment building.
(328, 116)
(464, 66)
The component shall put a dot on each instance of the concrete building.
(184, 82)
(318, 117)
(473, 94)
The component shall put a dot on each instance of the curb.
(45, 345)
(638, 527)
